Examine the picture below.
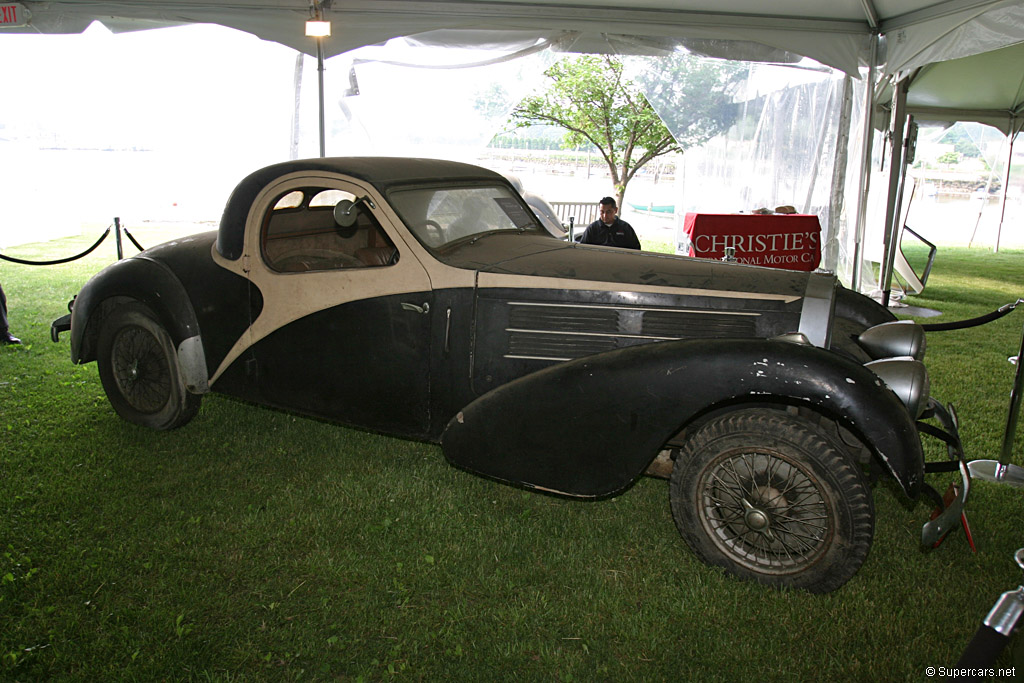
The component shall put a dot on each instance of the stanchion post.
(117, 238)
(1002, 470)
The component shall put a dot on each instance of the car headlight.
(908, 379)
(894, 339)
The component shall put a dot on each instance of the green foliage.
(697, 93)
(591, 98)
(949, 158)
(962, 143)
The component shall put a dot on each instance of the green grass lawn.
(257, 545)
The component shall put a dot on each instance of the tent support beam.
(865, 169)
(830, 250)
(897, 175)
(1015, 127)
(320, 74)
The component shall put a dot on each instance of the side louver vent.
(559, 332)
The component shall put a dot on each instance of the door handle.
(425, 308)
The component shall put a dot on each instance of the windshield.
(441, 215)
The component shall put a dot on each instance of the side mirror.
(344, 215)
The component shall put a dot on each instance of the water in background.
(963, 221)
(55, 193)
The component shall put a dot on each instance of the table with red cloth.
(790, 241)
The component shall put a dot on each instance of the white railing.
(582, 213)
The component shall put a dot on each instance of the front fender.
(590, 427)
(153, 284)
(863, 310)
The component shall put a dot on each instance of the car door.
(344, 329)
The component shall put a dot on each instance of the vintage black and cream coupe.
(425, 299)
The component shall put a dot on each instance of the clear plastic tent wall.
(791, 145)
(198, 126)
(407, 99)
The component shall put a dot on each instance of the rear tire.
(768, 497)
(138, 367)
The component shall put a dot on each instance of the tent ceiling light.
(318, 29)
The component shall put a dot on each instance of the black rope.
(973, 322)
(132, 238)
(59, 261)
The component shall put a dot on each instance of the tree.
(962, 143)
(591, 98)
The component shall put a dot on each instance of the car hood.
(548, 258)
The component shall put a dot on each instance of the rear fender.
(153, 284)
(590, 427)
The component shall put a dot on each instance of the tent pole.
(1014, 130)
(896, 176)
(320, 71)
(865, 169)
(296, 120)
(830, 253)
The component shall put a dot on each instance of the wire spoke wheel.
(138, 367)
(764, 511)
(140, 370)
(769, 497)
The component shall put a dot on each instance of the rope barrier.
(88, 251)
(59, 261)
(973, 322)
(132, 239)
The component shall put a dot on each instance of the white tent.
(880, 38)
(837, 33)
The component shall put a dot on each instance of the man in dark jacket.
(610, 230)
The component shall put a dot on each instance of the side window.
(300, 234)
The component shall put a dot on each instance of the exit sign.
(12, 14)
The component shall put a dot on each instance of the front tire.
(768, 497)
(138, 368)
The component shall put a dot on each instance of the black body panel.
(597, 422)
(224, 303)
(141, 279)
(452, 354)
(863, 310)
(519, 331)
(365, 363)
(546, 257)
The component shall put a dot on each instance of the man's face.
(608, 213)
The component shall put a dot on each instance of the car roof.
(383, 173)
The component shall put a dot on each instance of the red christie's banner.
(790, 241)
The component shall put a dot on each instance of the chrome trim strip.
(632, 308)
(592, 334)
(560, 360)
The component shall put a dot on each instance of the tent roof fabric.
(836, 33)
(976, 88)
(966, 56)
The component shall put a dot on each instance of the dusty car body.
(424, 299)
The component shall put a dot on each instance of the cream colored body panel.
(288, 297)
(505, 281)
